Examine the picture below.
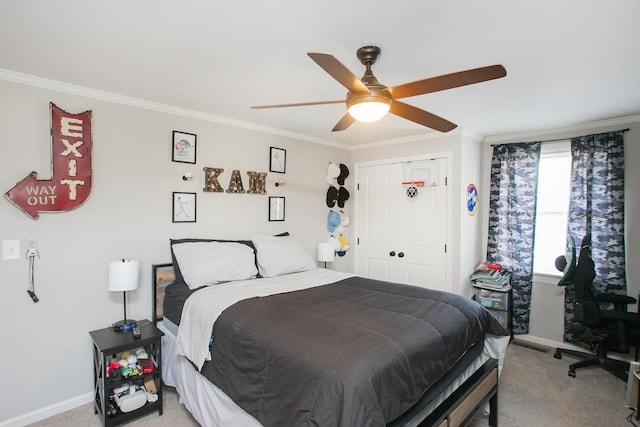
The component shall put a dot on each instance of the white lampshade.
(325, 252)
(123, 275)
(368, 112)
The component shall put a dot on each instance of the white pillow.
(280, 255)
(208, 263)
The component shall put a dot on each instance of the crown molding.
(564, 132)
(413, 138)
(43, 83)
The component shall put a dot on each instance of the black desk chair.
(600, 330)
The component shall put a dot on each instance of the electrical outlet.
(33, 248)
(10, 249)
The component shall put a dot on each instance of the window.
(554, 182)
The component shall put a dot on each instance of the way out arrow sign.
(70, 183)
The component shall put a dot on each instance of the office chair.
(600, 330)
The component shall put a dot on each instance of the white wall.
(547, 299)
(46, 350)
(470, 238)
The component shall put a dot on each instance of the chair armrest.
(626, 316)
(619, 301)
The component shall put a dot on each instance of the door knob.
(392, 253)
(400, 254)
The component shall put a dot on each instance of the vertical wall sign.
(70, 183)
(472, 199)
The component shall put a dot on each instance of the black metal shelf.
(107, 344)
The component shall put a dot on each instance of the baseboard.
(555, 344)
(48, 411)
(547, 342)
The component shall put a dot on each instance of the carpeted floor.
(535, 391)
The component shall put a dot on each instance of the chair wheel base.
(618, 368)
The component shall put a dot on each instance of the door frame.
(448, 156)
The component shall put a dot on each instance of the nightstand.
(109, 346)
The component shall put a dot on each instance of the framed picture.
(184, 207)
(184, 147)
(278, 160)
(163, 275)
(276, 208)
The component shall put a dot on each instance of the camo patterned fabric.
(597, 208)
(512, 207)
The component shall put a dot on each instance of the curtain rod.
(560, 139)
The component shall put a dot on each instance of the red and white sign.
(70, 183)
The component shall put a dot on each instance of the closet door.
(402, 239)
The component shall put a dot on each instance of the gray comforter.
(358, 352)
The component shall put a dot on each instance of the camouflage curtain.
(512, 212)
(597, 208)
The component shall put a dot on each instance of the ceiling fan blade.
(448, 81)
(344, 123)
(339, 72)
(300, 104)
(421, 117)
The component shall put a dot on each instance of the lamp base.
(124, 325)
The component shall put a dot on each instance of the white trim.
(551, 133)
(550, 149)
(555, 344)
(413, 138)
(413, 158)
(547, 343)
(100, 95)
(547, 278)
(48, 411)
(30, 80)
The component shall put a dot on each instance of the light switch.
(10, 249)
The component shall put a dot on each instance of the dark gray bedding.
(358, 352)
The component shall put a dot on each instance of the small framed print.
(184, 147)
(278, 160)
(163, 275)
(276, 208)
(184, 207)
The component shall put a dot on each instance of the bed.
(257, 335)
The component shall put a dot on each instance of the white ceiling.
(568, 62)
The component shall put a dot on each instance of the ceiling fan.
(368, 100)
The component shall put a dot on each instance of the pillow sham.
(278, 255)
(209, 263)
(176, 267)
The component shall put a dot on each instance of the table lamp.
(325, 253)
(123, 277)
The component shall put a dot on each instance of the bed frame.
(455, 411)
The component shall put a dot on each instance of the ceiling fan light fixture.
(368, 100)
(369, 109)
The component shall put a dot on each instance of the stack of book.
(491, 279)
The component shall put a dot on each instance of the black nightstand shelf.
(108, 346)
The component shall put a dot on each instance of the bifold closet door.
(402, 239)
